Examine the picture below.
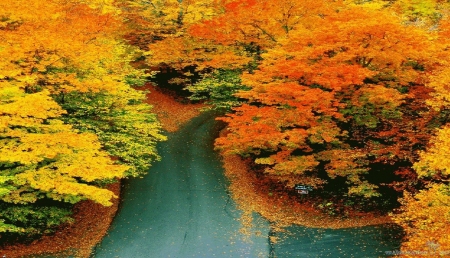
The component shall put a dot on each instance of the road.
(182, 209)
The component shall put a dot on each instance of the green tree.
(219, 88)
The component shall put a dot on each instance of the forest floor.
(92, 219)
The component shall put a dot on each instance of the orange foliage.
(334, 79)
(257, 22)
(171, 113)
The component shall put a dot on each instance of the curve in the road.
(182, 209)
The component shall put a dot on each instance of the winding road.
(182, 209)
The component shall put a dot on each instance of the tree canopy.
(69, 119)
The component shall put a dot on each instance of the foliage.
(423, 13)
(319, 94)
(425, 216)
(41, 157)
(67, 111)
(33, 219)
(219, 88)
(124, 125)
(435, 161)
(426, 219)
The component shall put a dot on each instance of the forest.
(348, 97)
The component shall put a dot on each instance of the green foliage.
(33, 219)
(125, 126)
(363, 116)
(219, 88)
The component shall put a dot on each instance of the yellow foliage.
(47, 48)
(42, 151)
(436, 159)
(425, 218)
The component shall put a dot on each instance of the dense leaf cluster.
(70, 120)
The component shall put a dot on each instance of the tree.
(326, 89)
(425, 219)
(425, 216)
(219, 88)
(69, 120)
(125, 125)
(42, 158)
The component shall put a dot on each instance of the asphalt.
(182, 208)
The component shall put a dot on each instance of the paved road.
(182, 209)
(362, 242)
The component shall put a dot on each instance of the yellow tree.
(77, 53)
(66, 64)
(41, 156)
(425, 216)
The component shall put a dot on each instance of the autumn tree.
(161, 30)
(425, 219)
(42, 158)
(69, 120)
(342, 90)
(425, 216)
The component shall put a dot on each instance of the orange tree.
(350, 94)
(341, 89)
(328, 87)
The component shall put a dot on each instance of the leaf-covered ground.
(92, 222)
(171, 113)
(254, 195)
